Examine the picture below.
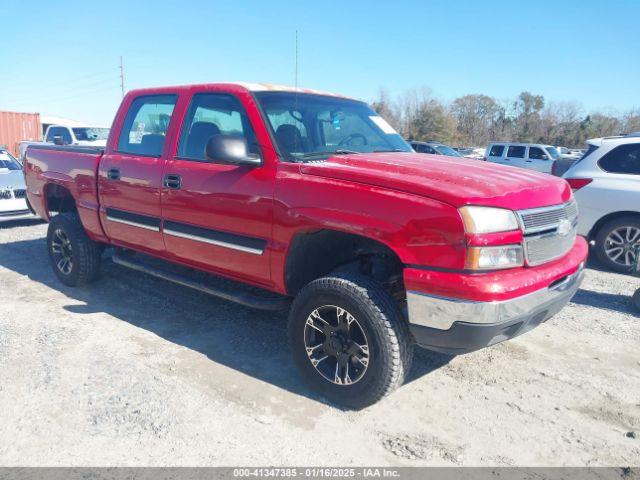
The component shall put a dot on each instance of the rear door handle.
(113, 174)
(172, 181)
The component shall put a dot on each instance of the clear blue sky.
(61, 58)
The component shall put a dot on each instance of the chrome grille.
(541, 249)
(20, 193)
(547, 218)
(549, 232)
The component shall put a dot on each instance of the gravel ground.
(136, 371)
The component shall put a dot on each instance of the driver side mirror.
(544, 157)
(57, 140)
(231, 150)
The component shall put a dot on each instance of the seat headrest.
(198, 137)
(289, 138)
(152, 143)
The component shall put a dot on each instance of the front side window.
(90, 134)
(553, 153)
(312, 127)
(537, 153)
(448, 151)
(515, 151)
(496, 151)
(622, 159)
(146, 124)
(213, 114)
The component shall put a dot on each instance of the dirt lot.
(136, 371)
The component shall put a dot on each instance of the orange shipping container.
(18, 126)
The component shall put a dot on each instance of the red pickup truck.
(297, 199)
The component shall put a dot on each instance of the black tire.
(635, 299)
(85, 254)
(378, 318)
(601, 242)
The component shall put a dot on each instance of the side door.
(515, 156)
(130, 174)
(539, 160)
(218, 217)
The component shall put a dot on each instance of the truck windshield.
(312, 127)
(8, 162)
(90, 134)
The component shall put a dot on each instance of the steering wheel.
(347, 140)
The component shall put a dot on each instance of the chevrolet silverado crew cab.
(279, 198)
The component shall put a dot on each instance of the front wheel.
(74, 257)
(349, 339)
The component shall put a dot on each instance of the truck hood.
(456, 181)
(11, 179)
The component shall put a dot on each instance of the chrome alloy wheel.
(61, 251)
(619, 245)
(336, 345)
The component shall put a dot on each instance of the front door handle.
(113, 174)
(172, 181)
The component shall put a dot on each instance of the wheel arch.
(58, 199)
(314, 253)
(609, 217)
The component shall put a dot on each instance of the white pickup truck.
(91, 136)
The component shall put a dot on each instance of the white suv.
(534, 156)
(606, 185)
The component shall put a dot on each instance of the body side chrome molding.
(132, 224)
(218, 243)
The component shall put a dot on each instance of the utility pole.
(296, 73)
(121, 76)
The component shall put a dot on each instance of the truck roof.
(250, 86)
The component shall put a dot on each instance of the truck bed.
(66, 171)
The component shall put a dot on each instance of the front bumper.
(454, 326)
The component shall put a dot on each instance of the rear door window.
(496, 151)
(623, 159)
(516, 151)
(145, 127)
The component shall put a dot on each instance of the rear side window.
(59, 132)
(515, 151)
(622, 159)
(496, 151)
(145, 126)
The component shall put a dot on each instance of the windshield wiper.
(382, 150)
(339, 151)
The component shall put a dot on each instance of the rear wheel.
(74, 257)
(616, 241)
(349, 339)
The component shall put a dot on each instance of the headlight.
(488, 219)
(492, 258)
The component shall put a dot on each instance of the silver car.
(13, 194)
